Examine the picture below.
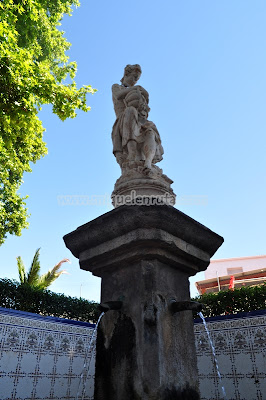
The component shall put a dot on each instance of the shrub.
(25, 298)
(235, 301)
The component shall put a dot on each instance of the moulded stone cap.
(131, 232)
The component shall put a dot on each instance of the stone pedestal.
(141, 186)
(144, 256)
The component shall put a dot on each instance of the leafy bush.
(235, 301)
(25, 298)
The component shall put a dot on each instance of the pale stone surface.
(137, 144)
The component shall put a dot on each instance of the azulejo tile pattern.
(240, 347)
(43, 358)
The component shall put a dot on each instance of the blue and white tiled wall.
(240, 347)
(44, 357)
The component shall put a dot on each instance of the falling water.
(87, 366)
(213, 352)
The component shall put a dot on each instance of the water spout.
(87, 366)
(177, 306)
(110, 305)
(213, 352)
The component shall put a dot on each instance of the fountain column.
(145, 255)
(144, 251)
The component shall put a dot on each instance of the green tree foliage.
(33, 71)
(235, 301)
(33, 277)
(26, 298)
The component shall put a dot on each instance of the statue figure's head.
(131, 75)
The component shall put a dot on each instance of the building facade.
(241, 271)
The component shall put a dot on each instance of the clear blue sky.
(204, 65)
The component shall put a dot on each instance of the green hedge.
(25, 298)
(235, 301)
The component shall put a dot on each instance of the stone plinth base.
(145, 256)
(140, 186)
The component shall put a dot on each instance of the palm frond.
(49, 277)
(33, 274)
(21, 270)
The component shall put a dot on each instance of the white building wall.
(221, 267)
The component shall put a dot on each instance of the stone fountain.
(144, 250)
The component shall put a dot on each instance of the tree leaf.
(33, 66)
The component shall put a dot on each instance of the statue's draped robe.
(131, 115)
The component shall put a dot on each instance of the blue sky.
(204, 65)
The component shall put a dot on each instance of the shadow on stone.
(186, 394)
(117, 361)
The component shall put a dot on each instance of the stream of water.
(214, 355)
(86, 366)
(87, 363)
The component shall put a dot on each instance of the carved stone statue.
(137, 143)
(134, 137)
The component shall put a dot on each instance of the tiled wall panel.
(240, 347)
(43, 358)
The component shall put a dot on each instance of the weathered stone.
(134, 137)
(137, 144)
(144, 256)
(141, 186)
